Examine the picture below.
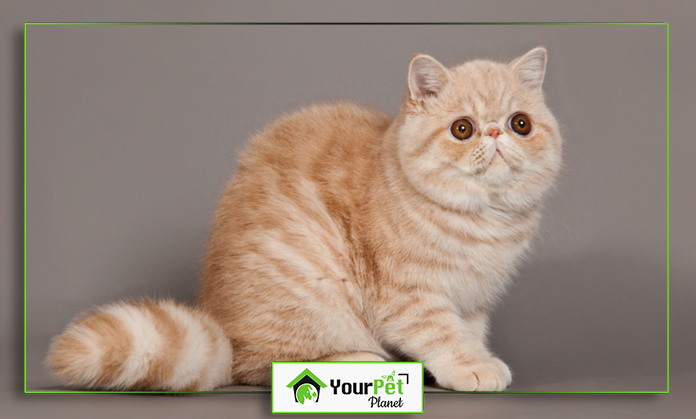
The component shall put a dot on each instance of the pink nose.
(494, 132)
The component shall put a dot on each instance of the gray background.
(133, 132)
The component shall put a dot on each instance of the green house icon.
(306, 387)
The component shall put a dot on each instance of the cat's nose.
(494, 132)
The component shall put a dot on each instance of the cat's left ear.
(426, 77)
(531, 67)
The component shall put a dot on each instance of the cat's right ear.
(426, 77)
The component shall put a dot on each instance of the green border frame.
(27, 24)
(374, 412)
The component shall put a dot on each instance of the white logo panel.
(347, 387)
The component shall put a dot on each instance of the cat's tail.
(143, 345)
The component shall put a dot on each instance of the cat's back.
(316, 161)
(302, 140)
(296, 186)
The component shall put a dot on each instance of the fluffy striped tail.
(143, 345)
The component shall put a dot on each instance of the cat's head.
(479, 132)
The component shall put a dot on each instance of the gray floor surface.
(679, 403)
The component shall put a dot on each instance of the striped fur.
(349, 235)
(143, 345)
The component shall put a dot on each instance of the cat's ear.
(530, 68)
(426, 77)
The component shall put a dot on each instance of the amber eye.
(521, 124)
(462, 129)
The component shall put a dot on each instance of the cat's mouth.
(497, 158)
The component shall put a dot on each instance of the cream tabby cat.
(348, 235)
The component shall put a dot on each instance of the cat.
(347, 235)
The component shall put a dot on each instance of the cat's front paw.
(489, 375)
(503, 368)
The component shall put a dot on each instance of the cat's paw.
(503, 368)
(489, 375)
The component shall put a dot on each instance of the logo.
(347, 387)
(377, 388)
(306, 387)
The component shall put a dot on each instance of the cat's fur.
(348, 235)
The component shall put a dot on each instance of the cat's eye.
(521, 124)
(462, 129)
